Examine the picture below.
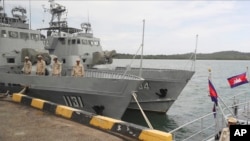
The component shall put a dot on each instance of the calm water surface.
(193, 101)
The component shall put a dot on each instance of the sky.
(171, 26)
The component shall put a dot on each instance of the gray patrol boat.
(157, 93)
(103, 93)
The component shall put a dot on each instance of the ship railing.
(174, 75)
(199, 129)
(152, 69)
(110, 75)
(239, 103)
(202, 129)
(240, 111)
(240, 107)
(8, 21)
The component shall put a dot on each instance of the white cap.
(26, 57)
(39, 56)
(232, 120)
(78, 59)
(55, 57)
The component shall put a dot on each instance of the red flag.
(237, 80)
(212, 91)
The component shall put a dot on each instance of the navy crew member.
(40, 66)
(78, 69)
(225, 133)
(27, 66)
(56, 67)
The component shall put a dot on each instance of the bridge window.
(34, 36)
(24, 35)
(91, 42)
(78, 41)
(3, 33)
(85, 42)
(96, 43)
(73, 41)
(62, 40)
(69, 41)
(13, 34)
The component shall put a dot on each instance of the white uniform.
(27, 67)
(225, 134)
(78, 70)
(40, 67)
(56, 69)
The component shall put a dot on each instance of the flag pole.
(247, 73)
(215, 108)
(209, 70)
(249, 85)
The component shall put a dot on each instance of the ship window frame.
(24, 35)
(62, 40)
(78, 41)
(4, 34)
(73, 41)
(34, 36)
(10, 60)
(96, 43)
(84, 41)
(91, 42)
(13, 34)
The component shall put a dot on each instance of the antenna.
(88, 16)
(3, 7)
(30, 13)
(140, 72)
(196, 43)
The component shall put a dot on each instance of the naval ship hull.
(160, 89)
(101, 95)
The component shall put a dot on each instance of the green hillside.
(223, 55)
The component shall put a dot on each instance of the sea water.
(194, 100)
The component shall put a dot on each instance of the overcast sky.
(170, 26)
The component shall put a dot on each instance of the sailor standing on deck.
(56, 67)
(78, 69)
(27, 66)
(225, 133)
(40, 66)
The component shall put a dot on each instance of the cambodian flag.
(237, 80)
(212, 91)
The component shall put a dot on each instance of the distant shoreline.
(223, 55)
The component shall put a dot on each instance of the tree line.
(223, 55)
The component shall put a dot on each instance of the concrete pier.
(46, 120)
(22, 123)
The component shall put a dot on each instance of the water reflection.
(161, 122)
